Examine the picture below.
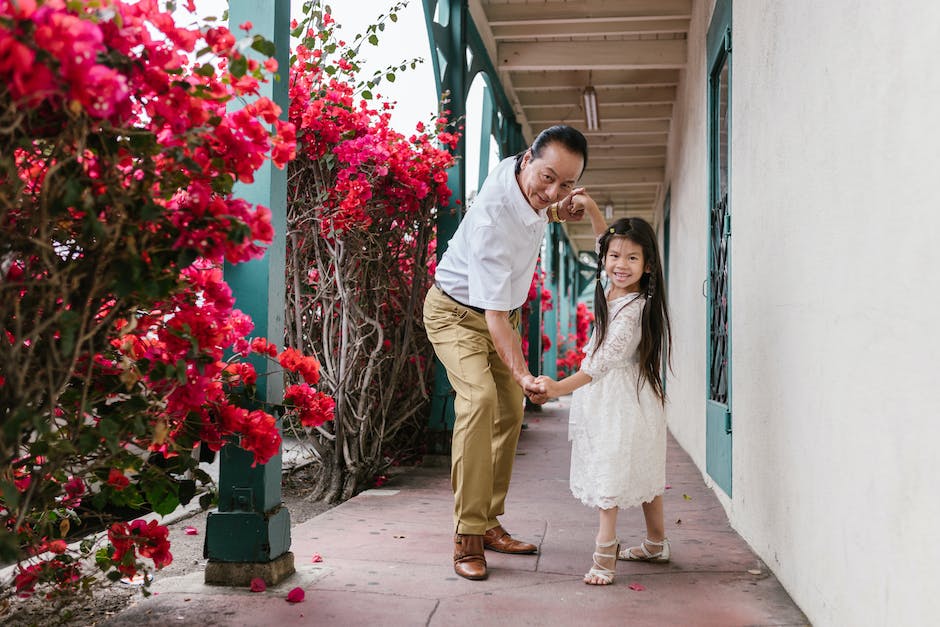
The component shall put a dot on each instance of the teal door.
(718, 432)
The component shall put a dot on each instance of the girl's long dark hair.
(656, 338)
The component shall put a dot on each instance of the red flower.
(74, 489)
(313, 408)
(117, 479)
(260, 436)
(294, 361)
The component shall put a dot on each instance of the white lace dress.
(618, 437)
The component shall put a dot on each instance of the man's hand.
(534, 390)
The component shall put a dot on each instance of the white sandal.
(605, 575)
(660, 557)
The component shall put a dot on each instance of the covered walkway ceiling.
(631, 51)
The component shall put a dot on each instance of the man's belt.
(470, 307)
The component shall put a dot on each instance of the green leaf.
(374, 40)
(239, 66)
(390, 76)
(11, 496)
(263, 46)
(393, 17)
(161, 498)
(367, 95)
(205, 70)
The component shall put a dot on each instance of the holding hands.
(533, 389)
(572, 206)
(549, 385)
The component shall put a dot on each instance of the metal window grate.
(718, 290)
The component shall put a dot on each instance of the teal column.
(573, 270)
(550, 319)
(564, 293)
(486, 132)
(251, 527)
(449, 54)
(533, 326)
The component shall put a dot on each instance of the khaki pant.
(488, 408)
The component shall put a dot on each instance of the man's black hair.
(568, 136)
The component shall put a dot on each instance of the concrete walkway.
(386, 560)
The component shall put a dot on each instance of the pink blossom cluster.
(379, 171)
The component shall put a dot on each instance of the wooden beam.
(619, 95)
(621, 177)
(588, 9)
(610, 113)
(594, 55)
(604, 162)
(622, 127)
(600, 147)
(606, 27)
(578, 79)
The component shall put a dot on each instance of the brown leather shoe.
(498, 539)
(469, 561)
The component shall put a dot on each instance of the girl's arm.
(587, 204)
(565, 386)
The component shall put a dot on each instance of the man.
(472, 318)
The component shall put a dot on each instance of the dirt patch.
(107, 599)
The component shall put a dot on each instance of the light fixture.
(609, 210)
(590, 109)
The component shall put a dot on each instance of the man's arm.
(509, 348)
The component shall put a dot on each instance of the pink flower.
(190, 531)
(295, 596)
(316, 558)
(100, 91)
(258, 585)
(246, 26)
(637, 587)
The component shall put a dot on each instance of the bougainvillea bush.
(570, 362)
(119, 145)
(361, 211)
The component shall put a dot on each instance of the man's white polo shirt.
(490, 259)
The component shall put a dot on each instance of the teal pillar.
(550, 319)
(486, 132)
(449, 53)
(564, 304)
(249, 535)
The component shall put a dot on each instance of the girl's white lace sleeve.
(623, 336)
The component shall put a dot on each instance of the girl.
(617, 425)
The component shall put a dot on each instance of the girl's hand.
(549, 385)
(572, 206)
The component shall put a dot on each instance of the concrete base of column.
(240, 574)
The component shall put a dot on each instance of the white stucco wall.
(686, 176)
(835, 152)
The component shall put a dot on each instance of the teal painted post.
(251, 525)
(486, 133)
(574, 269)
(449, 44)
(550, 319)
